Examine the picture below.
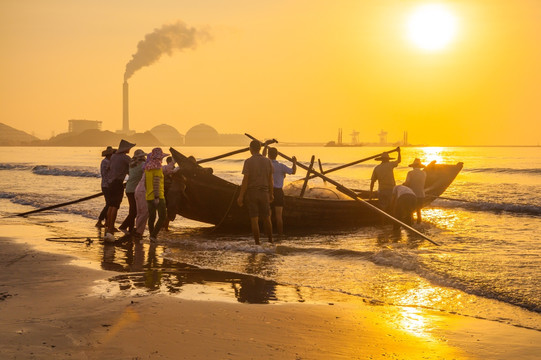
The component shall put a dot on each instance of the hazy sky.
(292, 70)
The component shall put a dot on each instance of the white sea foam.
(65, 171)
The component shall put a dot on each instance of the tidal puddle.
(144, 272)
(192, 283)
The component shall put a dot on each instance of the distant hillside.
(100, 138)
(12, 137)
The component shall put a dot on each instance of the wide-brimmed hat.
(124, 146)
(416, 163)
(157, 153)
(108, 151)
(384, 157)
(154, 160)
(139, 154)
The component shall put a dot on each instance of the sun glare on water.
(431, 27)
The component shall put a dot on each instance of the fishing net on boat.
(319, 191)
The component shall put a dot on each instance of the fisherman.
(104, 172)
(142, 208)
(279, 174)
(176, 196)
(383, 174)
(134, 176)
(154, 183)
(257, 185)
(415, 180)
(403, 204)
(168, 170)
(120, 164)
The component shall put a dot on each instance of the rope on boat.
(235, 195)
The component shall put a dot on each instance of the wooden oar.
(60, 205)
(354, 163)
(218, 157)
(355, 197)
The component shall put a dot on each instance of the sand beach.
(50, 310)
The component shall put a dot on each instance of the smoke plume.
(164, 40)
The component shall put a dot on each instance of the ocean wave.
(525, 209)
(398, 258)
(10, 166)
(53, 170)
(342, 253)
(65, 171)
(29, 199)
(410, 261)
(532, 171)
(7, 195)
(242, 245)
(226, 160)
(37, 201)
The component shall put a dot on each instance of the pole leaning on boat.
(218, 157)
(354, 196)
(352, 163)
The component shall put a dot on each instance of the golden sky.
(289, 69)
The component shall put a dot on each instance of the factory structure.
(78, 126)
(125, 111)
(355, 140)
(198, 135)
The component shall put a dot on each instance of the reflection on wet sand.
(154, 273)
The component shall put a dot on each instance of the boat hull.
(210, 199)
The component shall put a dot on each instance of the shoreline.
(288, 144)
(50, 309)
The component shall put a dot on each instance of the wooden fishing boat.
(210, 199)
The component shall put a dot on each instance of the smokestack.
(125, 109)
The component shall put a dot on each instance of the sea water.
(488, 265)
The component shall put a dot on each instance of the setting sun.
(431, 27)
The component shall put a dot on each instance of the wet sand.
(49, 308)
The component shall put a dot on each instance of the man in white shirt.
(280, 171)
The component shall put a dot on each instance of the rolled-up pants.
(142, 212)
(153, 225)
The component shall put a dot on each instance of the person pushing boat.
(415, 180)
(120, 165)
(154, 184)
(104, 172)
(134, 176)
(384, 175)
(403, 203)
(257, 185)
(279, 174)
